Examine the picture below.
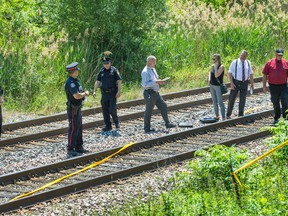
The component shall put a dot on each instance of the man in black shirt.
(75, 96)
(110, 81)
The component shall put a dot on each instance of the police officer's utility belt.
(72, 106)
(108, 91)
(75, 108)
(150, 90)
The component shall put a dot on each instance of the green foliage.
(217, 164)
(280, 135)
(202, 189)
(217, 3)
(194, 32)
(52, 34)
(38, 38)
(205, 188)
(119, 26)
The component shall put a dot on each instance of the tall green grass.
(33, 64)
(194, 32)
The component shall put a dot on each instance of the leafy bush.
(205, 188)
(39, 38)
(280, 135)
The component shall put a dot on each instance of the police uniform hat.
(106, 59)
(73, 66)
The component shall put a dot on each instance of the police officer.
(1, 102)
(75, 96)
(110, 81)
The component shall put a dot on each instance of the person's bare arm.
(96, 85)
(264, 81)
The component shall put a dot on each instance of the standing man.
(276, 72)
(150, 83)
(110, 80)
(240, 72)
(1, 102)
(75, 95)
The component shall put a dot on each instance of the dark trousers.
(153, 98)
(241, 87)
(1, 119)
(109, 107)
(75, 140)
(279, 93)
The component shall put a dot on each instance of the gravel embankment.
(96, 200)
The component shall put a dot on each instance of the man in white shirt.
(240, 72)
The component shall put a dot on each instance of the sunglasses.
(106, 62)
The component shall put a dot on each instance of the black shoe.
(72, 153)
(275, 122)
(117, 125)
(106, 129)
(170, 125)
(149, 130)
(82, 150)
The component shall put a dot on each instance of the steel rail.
(98, 123)
(91, 111)
(42, 170)
(77, 187)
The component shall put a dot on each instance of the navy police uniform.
(73, 86)
(109, 88)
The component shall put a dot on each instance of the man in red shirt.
(276, 72)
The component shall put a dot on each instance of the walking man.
(151, 84)
(276, 72)
(75, 95)
(110, 81)
(240, 72)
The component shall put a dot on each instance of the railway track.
(140, 157)
(121, 105)
(54, 125)
(40, 151)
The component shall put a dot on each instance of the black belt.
(108, 91)
(74, 106)
(239, 81)
(277, 84)
(150, 90)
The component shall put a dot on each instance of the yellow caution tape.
(252, 109)
(257, 159)
(72, 174)
(237, 179)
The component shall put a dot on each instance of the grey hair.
(150, 58)
(244, 51)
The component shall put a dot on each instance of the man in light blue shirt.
(151, 84)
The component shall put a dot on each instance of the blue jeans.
(217, 100)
